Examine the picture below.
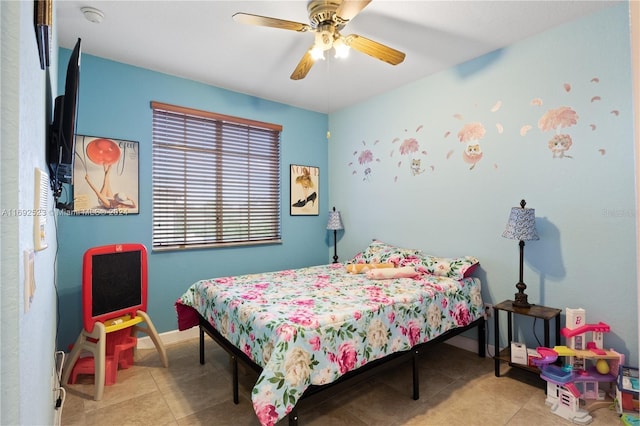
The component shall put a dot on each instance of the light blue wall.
(584, 202)
(27, 336)
(115, 103)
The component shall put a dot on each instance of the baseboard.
(168, 338)
(175, 336)
(468, 344)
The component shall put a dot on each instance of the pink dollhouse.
(589, 372)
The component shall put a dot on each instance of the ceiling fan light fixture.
(317, 53)
(327, 18)
(341, 48)
(323, 40)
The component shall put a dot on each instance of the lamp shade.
(522, 224)
(335, 221)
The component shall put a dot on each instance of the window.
(216, 179)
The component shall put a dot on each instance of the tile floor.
(456, 388)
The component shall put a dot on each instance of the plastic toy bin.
(629, 387)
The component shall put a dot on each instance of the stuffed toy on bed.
(387, 273)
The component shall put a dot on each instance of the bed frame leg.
(201, 346)
(481, 339)
(234, 362)
(293, 417)
(416, 376)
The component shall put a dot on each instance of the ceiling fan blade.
(348, 9)
(375, 49)
(303, 67)
(265, 21)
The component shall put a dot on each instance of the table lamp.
(521, 226)
(335, 224)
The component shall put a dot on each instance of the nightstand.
(535, 311)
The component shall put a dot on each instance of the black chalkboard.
(116, 281)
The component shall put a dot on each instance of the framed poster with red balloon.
(105, 176)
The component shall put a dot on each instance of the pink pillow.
(387, 273)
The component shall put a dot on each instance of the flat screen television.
(114, 282)
(61, 140)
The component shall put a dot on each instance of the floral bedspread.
(312, 325)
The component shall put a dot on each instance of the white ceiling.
(200, 41)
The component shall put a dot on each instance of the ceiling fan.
(327, 18)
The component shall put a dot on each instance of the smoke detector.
(92, 14)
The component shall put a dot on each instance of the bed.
(308, 329)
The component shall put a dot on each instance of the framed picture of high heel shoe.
(305, 190)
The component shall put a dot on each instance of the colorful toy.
(630, 420)
(586, 365)
(602, 367)
(628, 389)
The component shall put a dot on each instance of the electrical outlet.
(488, 310)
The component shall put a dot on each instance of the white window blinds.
(216, 179)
